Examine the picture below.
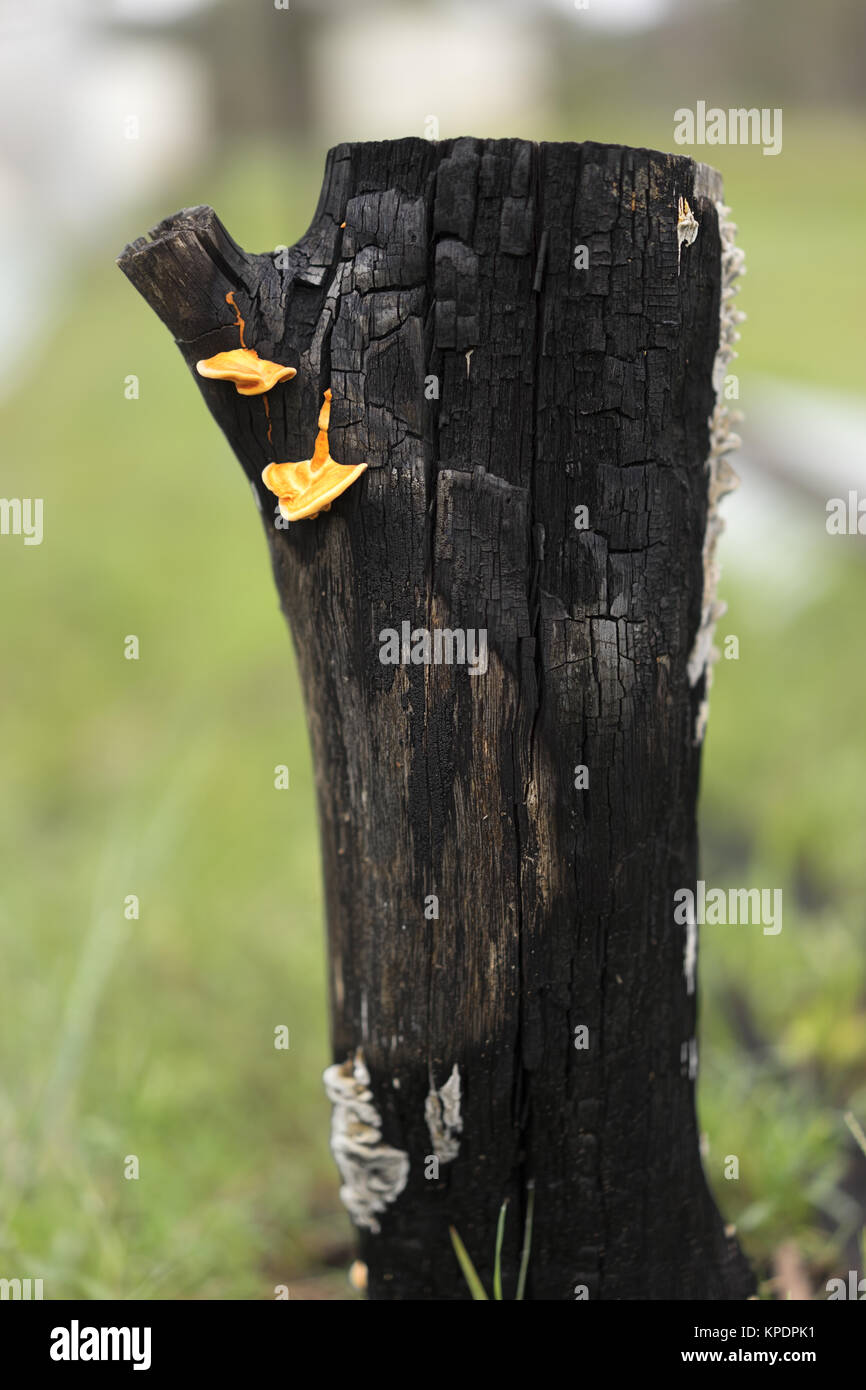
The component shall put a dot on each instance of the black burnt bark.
(493, 386)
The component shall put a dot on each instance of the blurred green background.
(154, 1036)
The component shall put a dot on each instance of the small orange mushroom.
(304, 489)
(251, 374)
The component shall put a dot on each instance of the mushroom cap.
(251, 374)
(304, 490)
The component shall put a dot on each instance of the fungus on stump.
(510, 332)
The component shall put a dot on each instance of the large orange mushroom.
(251, 374)
(304, 489)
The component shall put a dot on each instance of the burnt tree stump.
(511, 332)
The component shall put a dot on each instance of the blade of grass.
(470, 1273)
(527, 1241)
(497, 1260)
(855, 1129)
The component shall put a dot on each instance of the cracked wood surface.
(557, 387)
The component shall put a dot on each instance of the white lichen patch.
(444, 1120)
(374, 1174)
(689, 1058)
(721, 476)
(687, 228)
(690, 952)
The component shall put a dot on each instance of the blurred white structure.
(480, 70)
(90, 120)
(802, 446)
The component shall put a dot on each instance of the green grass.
(155, 777)
(783, 806)
(154, 1037)
(467, 1267)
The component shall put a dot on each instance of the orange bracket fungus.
(304, 489)
(251, 374)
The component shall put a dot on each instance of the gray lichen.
(687, 228)
(721, 476)
(444, 1120)
(374, 1174)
